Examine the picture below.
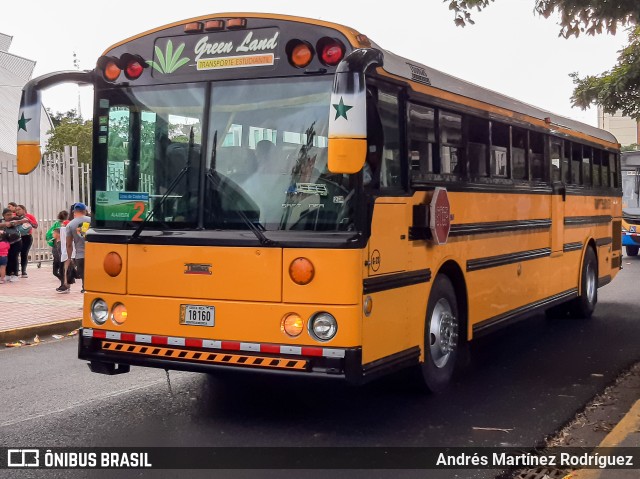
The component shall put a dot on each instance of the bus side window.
(556, 165)
(422, 139)
(391, 168)
(499, 149)
(536, 156)
(596, 167)
(450, 141)
(586, 165)
(604, 157)
(566, 162)
(375, 145)
(477, 145)
(613, 168)
(576, 163)
(518, 150)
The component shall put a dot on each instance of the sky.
(509, 49)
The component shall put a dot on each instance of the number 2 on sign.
(139, 207)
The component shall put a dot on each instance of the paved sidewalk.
(32, 306)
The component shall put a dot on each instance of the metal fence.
(57, 183)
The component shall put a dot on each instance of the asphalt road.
(528, 380)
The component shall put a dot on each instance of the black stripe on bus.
(487, 325)
(587, 220)
(572, 247)
(504, 259)
(396, 280)
(498, 227)
(604, 241)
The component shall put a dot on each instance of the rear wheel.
(632, 250)
(442, 335)
(584, 305)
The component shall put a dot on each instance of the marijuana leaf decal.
(169, 61)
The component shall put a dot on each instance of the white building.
(624, 128)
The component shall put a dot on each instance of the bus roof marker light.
(331, 51)
(212, 25)
(235, 23)
(193, 27)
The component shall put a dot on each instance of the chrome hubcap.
(443, 333)
(590, 285)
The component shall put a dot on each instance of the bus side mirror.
(346, 155)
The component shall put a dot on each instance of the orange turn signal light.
(301, 55)
(112, 264)
(301, 271)
(111, 71)
(119, 313)
(236, 23)
(193, 27)
(292, 324)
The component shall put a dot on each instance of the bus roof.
(406, 68)
(396, 65)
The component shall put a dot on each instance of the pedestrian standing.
(12, 235)
(25, 229)
(4, 255)
(75, 238)
(58, 264)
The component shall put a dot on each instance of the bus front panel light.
(119, 313)
(323, 326)
(99, 311)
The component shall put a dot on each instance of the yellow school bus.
(281, 195)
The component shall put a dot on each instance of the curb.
(27, 332)
(628, 425)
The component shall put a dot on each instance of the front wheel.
(584, 305)
(632, 250)
(442, 335)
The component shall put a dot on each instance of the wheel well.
(452, 270)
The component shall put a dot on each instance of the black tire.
(442, 336)
(632, 250)
(584, 305)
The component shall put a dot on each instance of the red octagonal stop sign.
(440, 216)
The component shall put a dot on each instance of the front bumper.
(113, 352)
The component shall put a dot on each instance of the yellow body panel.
(28, 156)
(96, 279)
(337, 280)
(229, 273)
(346, 155)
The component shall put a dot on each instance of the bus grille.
(206, 357)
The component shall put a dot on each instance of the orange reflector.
(292, 324)
(193, 27)
(236, 23)
(214, 25)
(301, 55)
(112, 264)
(111, 71)
(119, 313)
(301, 271)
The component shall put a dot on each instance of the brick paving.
(33, 301)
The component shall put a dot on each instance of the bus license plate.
(196, 315)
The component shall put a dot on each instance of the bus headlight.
(323, 326)
(99, 311)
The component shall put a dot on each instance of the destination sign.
(215, 51)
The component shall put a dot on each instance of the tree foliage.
(614, 90)
(70, 130)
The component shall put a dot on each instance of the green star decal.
(22, 123)
(341, 110)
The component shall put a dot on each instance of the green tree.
(70, 130)
(615, 89)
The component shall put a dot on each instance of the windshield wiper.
(214, 179)
(173, 184)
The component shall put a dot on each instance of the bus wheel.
(441, 336)
(584, 305)
(632, 250)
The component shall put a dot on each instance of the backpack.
(12, 234)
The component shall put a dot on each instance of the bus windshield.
(264, 163)
(630, 188)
